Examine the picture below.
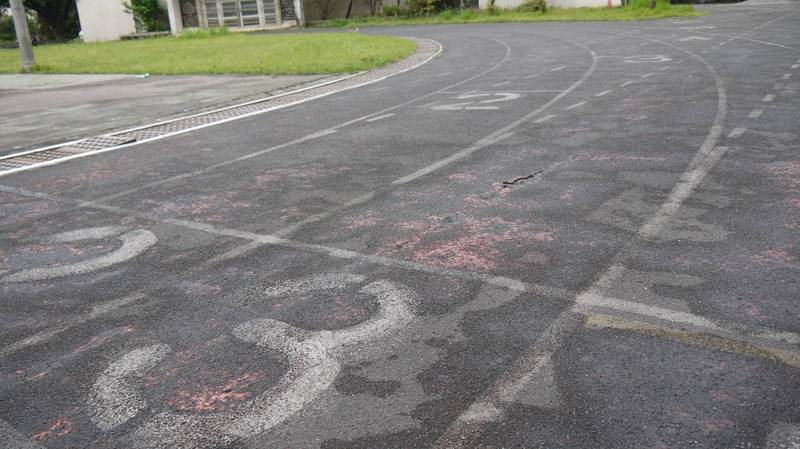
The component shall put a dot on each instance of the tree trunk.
(349, 9)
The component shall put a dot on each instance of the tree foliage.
(57, 19)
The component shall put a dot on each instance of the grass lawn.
(635, 12)
(219, 53)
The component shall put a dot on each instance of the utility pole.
(23, 35)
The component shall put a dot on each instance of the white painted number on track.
(482, 105)
(134, 243)
(313, 357)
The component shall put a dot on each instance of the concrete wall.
(104, 20)
(510, 4)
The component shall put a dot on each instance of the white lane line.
(544, 119)
(483, 143)
(626, 83)
(532, 76)
(554, 334)
(666, 67)
(230, 119)
(786, 76)
(504, 83)
(755, 113)
(380, 117)
(737, 132)
(768, 98)
(380, 88)
(796, 66)
(556, 69)
(648, 75)
(67, 324)
(314, 135)
(503, 132)
(576, 105)
(339, 253)
(600, 94)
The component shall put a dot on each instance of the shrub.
(491, 9)
(467, 14)
(148, 15)
(394, 11)
(422, 7)
(533, 6)
(7, 31)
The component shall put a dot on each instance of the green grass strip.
(220, 53)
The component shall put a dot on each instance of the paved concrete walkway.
(44, 109)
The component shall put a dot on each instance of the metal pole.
(23, 35)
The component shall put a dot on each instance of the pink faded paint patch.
(59, 427)
(215, 398)
(478, 247)
(212, 208)
(781, 256)
(787, 173)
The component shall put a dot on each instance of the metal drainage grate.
(426, 49)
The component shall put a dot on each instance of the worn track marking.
(489, 406)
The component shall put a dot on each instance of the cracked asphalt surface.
(554, 235)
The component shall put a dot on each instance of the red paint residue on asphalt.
(215, 398)
(780, 256)
(345, 312)
(461, 177)
(365, 220)
(788, 173)
(477, 248)
(213, 208)
(60, 427)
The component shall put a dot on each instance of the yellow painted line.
(601, 321)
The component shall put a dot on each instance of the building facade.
(103, 20)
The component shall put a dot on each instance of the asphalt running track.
(552, 235)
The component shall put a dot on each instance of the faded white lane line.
(445, 73)
(626, 83)
(380, 117)
(504, 83)
(786, 76)
(68, 323)
(544, 119)
(576, 105)
(648, 75)
(755, 113)
(666, 67)
(554, 334)
(737, 132)
(796, 66)
(556, 69)
(379, 89)
(532, 76)
(768, 98)
(600, 94)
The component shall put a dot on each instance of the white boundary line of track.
(195, 128)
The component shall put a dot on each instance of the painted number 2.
(479, 105)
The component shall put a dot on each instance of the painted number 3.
(314, 363)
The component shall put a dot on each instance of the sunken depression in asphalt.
(578, 234)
